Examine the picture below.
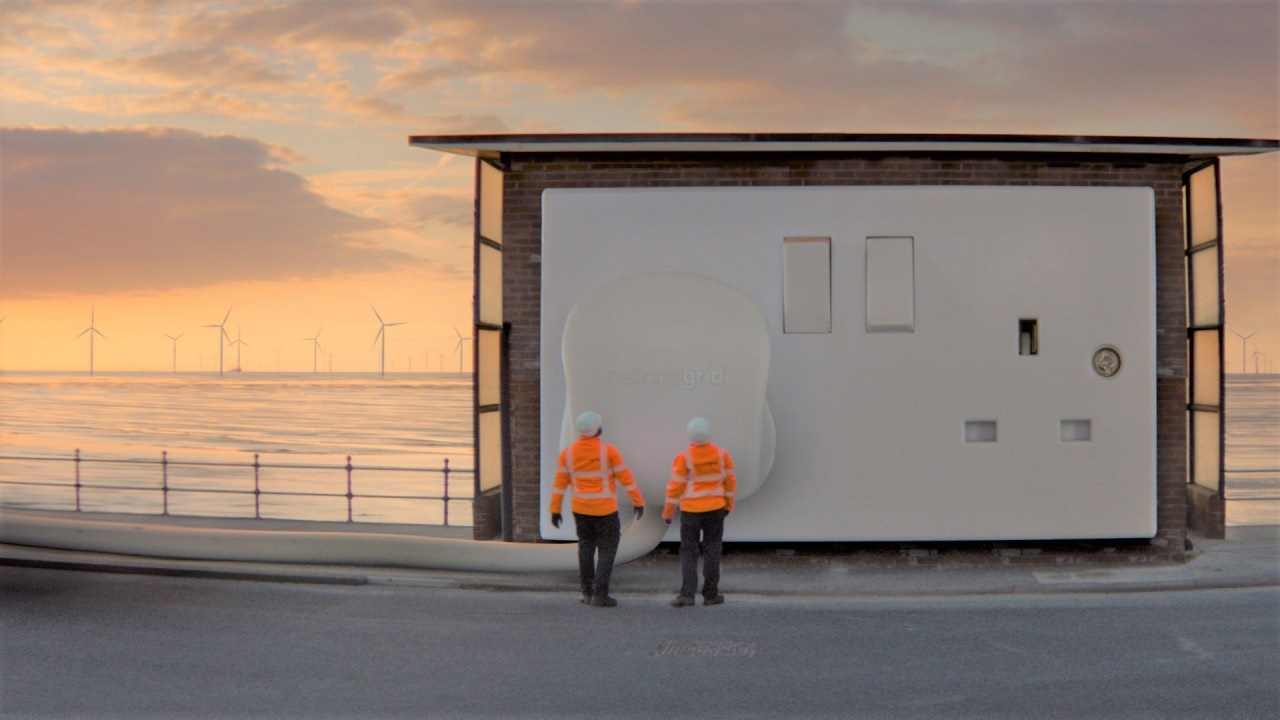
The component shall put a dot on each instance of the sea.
(186, 444)
(1252, 411)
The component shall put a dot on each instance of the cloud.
(171, 57)
(343, 101)
(444, 208)
(193, 103)
(833, 65)
(206, 65)
(574, 47)
(1146, 68)
(445, 124)
(327, 25)
(1166, 67)
(148, 210)
(1137, 59)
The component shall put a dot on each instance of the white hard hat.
(699, 430)
(589, 423)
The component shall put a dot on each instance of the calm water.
(409, 422)
(1253, 449)
(406, 421)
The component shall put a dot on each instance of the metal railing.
(165, 488)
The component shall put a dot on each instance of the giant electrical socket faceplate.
(962, 363)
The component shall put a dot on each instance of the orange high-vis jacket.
(593, 468)
(702, 480)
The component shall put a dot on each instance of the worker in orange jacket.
(593, 469)
(702, 485)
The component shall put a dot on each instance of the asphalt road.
(97, 645)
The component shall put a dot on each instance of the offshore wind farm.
(1249, 360)
(91, 331)
(222, 335)
(210, 411)
(389, 352)
(175, 339)
(382, 335)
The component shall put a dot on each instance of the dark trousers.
(701, 534)
(597, 534)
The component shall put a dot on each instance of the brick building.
(888, 271)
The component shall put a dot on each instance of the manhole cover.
(706, 648)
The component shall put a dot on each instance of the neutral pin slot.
(1028, 336)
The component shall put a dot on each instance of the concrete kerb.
(1249, 557)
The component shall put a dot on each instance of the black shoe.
(682, 601)
(713, 600)
(603, 601)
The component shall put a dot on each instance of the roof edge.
(494, 145)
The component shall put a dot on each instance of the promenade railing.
(164, 484)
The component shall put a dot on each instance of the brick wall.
(529, 175)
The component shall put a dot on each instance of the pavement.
(1249, 556)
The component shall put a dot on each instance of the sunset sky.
(165, 161)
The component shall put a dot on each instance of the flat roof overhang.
(493, 146)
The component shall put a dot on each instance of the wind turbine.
(238, 343)
(382, 333)
(459, 346)
(222, 334)
(92, 331)
(175, 347)
(1244, 341)
(315, 349)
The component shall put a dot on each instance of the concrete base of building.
(486, 515)
(1206, 512)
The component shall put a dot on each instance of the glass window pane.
(1203, 206)
(490, 202)
(1208, 367)
(489, 451)
(1204, 288)
(488, 366)
(490, 285)
(1205, 465)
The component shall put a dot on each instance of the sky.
(168, 164)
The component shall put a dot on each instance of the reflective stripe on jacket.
(702, 480)
(592, 469)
